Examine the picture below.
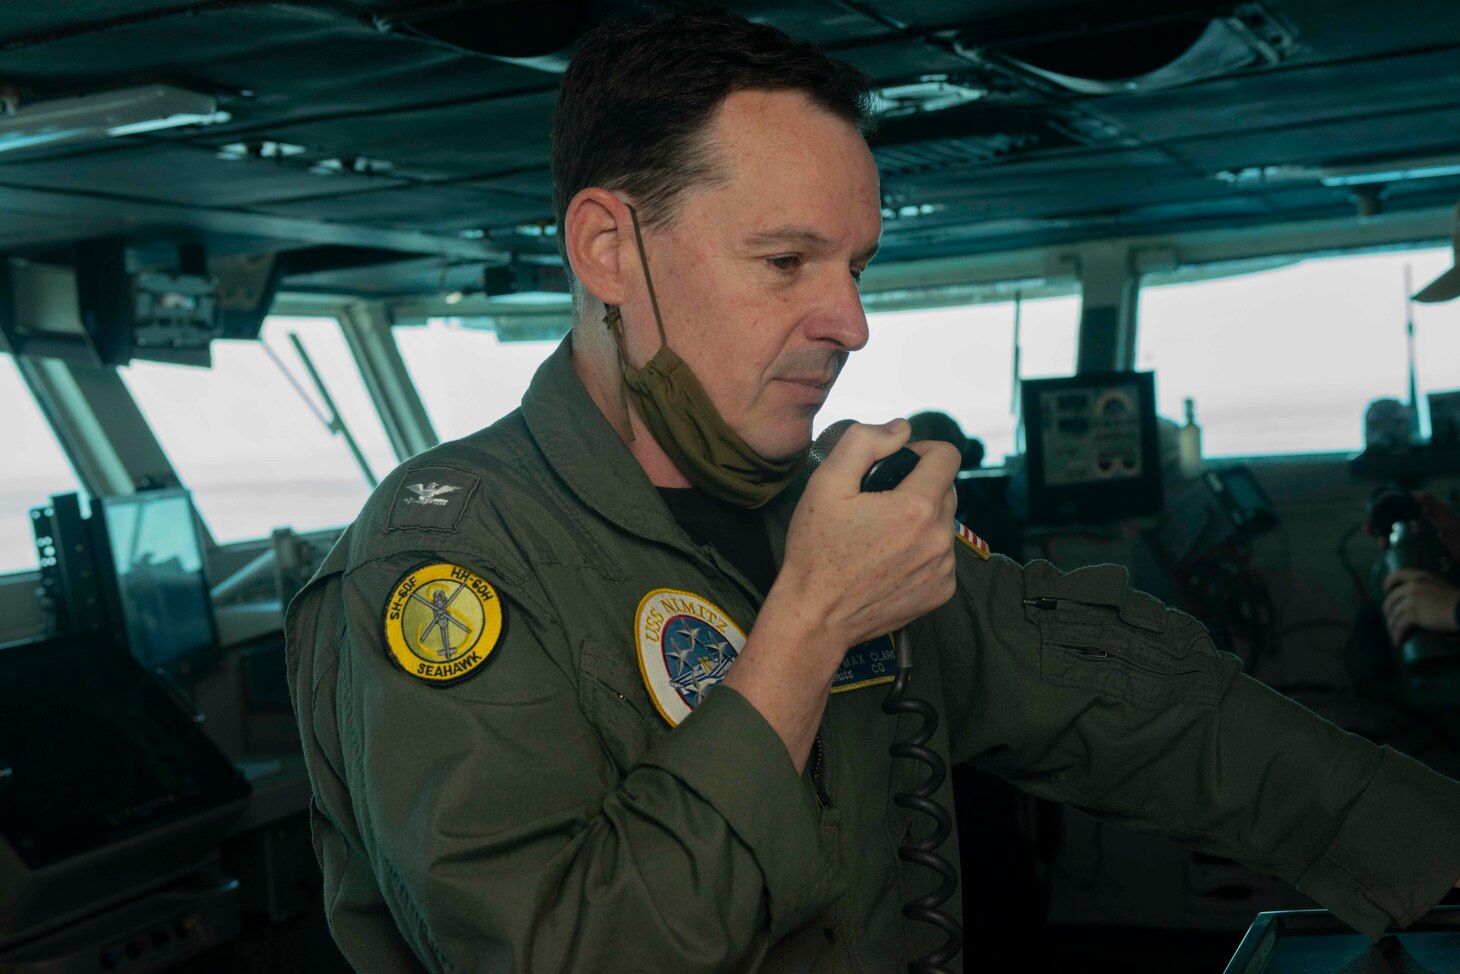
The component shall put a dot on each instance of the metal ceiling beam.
(138, 217)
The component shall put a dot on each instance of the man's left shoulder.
(442, 498)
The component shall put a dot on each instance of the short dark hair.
(639, 93)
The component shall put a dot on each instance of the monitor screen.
(1091, 447)
(162, 590)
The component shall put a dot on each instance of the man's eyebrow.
(799, 234)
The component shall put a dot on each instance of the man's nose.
(840, 319)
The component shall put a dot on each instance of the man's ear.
(593, 230)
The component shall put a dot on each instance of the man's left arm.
(1080, 690)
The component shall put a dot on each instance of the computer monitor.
(162, 607)
(1091, 450)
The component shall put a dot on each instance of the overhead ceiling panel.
(269, 66)
(22, 228)
(928, 14)
(899, 59)
(22, 20)
(181, 174)
(1381, 136)
(1346, 30)
(172, 46)
(1343, 92)
(437, 208)
(1106, 176)
(467, 136)
(361, 76)
(819, 21)
(450, 141)
(422, 276)
(533, 181)
(1106, 193)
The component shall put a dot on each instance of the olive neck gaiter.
(685, 423)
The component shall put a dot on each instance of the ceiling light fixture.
(928, 93)
(1391, 173)
(109, 114)
(1346, 174)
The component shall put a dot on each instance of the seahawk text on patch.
(686, 645)
(442, 622)
(433, 498)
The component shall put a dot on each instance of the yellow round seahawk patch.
(442, 623)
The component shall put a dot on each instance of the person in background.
(983, 504)
(939, 426)
(1415, 599)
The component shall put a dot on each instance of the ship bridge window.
(957, 360)
(1286, 360)
(467, 376)
(34, 466)
(249, 436)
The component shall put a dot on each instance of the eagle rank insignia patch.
(686, 645)
(442, 623)
(433, 498)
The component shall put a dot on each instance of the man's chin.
(786, 444)
(781, 441)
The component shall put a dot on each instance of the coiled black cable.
(886, 474)
(925, 909)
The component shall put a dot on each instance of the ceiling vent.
(1093, 53)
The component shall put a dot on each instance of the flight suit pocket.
(1096, 634)
(612, 695)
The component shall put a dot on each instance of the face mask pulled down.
(669, 398)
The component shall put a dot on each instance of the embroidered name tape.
(686, 645)
(442, 623)
(866, 665)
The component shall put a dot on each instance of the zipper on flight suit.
(1046, 603)
(823, 800)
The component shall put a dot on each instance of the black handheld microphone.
(885, 474)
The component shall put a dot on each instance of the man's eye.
(857, 275)
(787, 262)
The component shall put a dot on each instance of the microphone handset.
(883, 475)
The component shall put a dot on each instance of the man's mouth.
(809, 388)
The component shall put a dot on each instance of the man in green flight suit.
(528, 745)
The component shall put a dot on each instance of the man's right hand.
(866, 564)
(857, 566)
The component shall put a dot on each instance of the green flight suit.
(541, 816)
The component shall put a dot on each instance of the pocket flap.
(1096, 585)
(1103, 586)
